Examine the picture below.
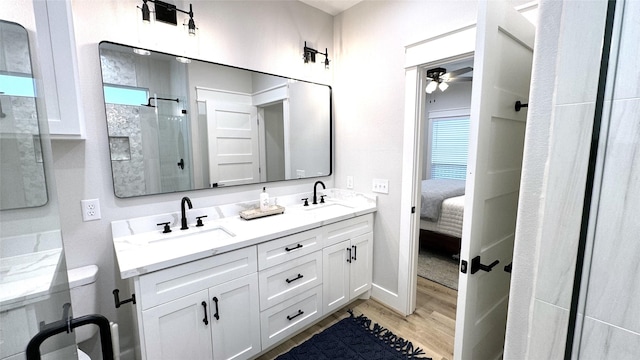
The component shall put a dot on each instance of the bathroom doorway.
(494, 164)
(445, 133)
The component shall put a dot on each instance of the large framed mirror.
(23, 182)
(178, 124)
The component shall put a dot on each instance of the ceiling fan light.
(431, 87)
(443, 86)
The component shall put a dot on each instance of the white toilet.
(82, 285)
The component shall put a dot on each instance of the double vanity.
(234, 288)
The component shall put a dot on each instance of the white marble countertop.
(27, 278)
(141, 247)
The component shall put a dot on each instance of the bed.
(441, 214)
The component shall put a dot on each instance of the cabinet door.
(177, 330)
(235, 318)
(335, 260)
(361, 264)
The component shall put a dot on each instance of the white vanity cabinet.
(348, 261)
(240, 303)
(206, 309)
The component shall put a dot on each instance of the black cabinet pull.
(349, 255)
(205, 320)
(289, 281)
(217, 314)
(477, 266)
(355, 252)
(300, 312)
(293, 248)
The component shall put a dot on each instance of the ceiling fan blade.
(460, 79)
(453, 74)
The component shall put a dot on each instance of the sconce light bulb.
(431, 87)
(443, 86)
(192, 27)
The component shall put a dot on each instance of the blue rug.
(354, 338)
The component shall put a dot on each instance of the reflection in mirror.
(23, 182)
(178, 124)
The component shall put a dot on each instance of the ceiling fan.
(439, 78)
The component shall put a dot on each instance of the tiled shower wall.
(611, 328)
(564, 89)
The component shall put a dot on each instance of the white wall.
(258, 35)
(369, 108)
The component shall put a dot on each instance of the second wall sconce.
(167, 13)
(309, 55)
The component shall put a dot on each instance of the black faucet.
(315, 186)
(184, 215)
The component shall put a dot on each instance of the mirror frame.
(191, 109)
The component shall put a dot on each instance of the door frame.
(455, 45)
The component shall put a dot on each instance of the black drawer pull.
(300, 312)
(355, 252)
(217, 314)
(205, 320)
(349, 255)
(293, 248)
(289, 281)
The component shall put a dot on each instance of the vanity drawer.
(289, 247)
(165, 285)
(285, 319)
(347, 229)
(283, 281)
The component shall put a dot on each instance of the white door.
(502, 73)
(361, 264)
(235, 318)
(335, 276)
(178, 330)
(233, 144)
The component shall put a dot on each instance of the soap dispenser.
(264, 200)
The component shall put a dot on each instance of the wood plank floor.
(431, 327)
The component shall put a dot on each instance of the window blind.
(449, 148)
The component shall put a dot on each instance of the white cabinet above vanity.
(235, 288)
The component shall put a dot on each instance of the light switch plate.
(381, 186)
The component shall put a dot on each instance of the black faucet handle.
(322, 199)
(199, 222)
(166, 228)
(306, 201)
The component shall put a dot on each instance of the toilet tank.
(84, 300)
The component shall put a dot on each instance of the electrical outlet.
(90, 209)
(349, 182)
(381, 186)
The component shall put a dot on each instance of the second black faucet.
(185, 200)
(315, 186)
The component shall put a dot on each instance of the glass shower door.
(606, 314)
(173, 150)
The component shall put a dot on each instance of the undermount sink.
(327, 208)
(210, 234)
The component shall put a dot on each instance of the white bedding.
(450, 221)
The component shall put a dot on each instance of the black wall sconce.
(167, 13)
(309, 55)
